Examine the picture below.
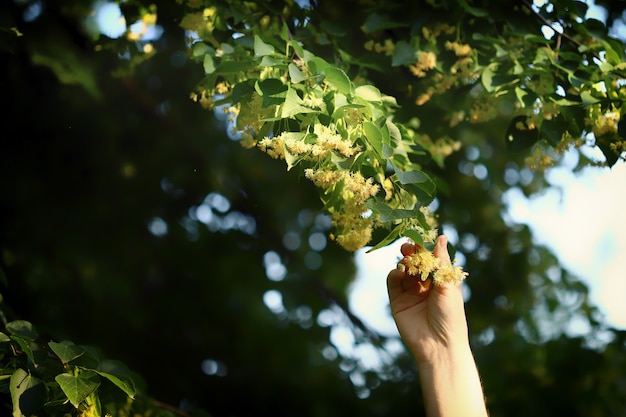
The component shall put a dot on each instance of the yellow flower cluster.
(425, 62)
(326, 140)
(605, 124)
(354, 226)
(387, 48)
(423, 263)
(356, 189)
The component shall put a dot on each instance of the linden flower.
(449, 275)
(423, 263)
(420, 263)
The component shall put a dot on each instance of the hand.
(431, 319)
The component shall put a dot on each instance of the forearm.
(451, 385)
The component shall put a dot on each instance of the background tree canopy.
(135, 225)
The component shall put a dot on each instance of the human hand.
(431, 319)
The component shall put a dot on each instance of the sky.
(581, 218)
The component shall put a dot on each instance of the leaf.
(4, 338)
(411, 177)
(208, 64)
(261, 48)
(403, 54)
(374, 137)
(28, 393)
(25, 345)
(338, 79)
(22, 328)
(390, 238)
(368, 93)
(118, 374)
(293, 105)
(235, 67)
(376, 22)
(66, 351)
(389, 214)
(295, 74)
(415, 236)
(77, 388)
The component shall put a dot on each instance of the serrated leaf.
(338, 79)
(77, 388)
(368, 93)
(66, 351)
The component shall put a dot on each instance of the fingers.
(441, 250)
(408, 249)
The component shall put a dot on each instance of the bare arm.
(431, 321)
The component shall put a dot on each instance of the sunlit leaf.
(78, 387)
(66, 351)
(28, 393)
(261, 48)
(338, 79)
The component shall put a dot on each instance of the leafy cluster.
(260, 67)
(64, 379)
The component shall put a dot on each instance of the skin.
(432, 322)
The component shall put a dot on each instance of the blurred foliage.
(131, 221)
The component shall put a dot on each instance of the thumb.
(441, 251)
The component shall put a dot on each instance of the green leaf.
(235, 67)
(293, 105)
(403, 54)
(208, 64)
(26, 345)
(411, 177)
(28, 393)
(118, 374)
(261, 48)
(338, 79)
(389, 214)
(374, 137)
(295, 74)
(66, 351)
(77, 388)
(390, 238)
(22, 328)
(376, 22)
(588, 98)
(368, 93)
(4, 338)
(414, 235)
